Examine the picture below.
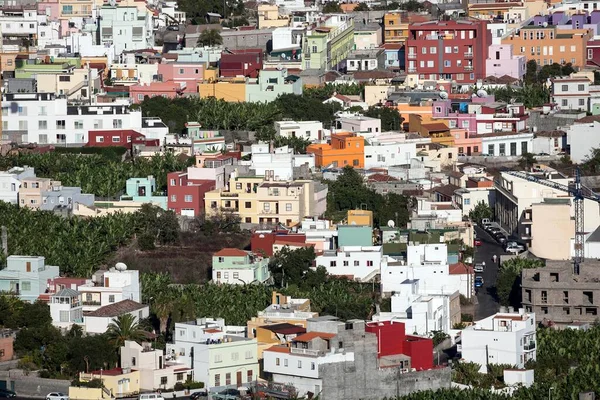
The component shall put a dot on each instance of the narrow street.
(487, 303)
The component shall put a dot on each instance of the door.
(239, 378)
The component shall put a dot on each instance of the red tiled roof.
(307, 337)
(285, 328)
(110, 372)
(588, 119)
(116, 309)
(212, 330)
(459, 269)
(436, 126)
(381, 178)
(392, 46)
(230, 252)
(278, 349)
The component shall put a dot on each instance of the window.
(225, 275)
(181, 71)
(42, 125)
(502, 149)
(248, 204)
(430, 64)
(277, 361)
(544, 297)
(60, 124)
(314, 49)
(285, 362)
(116, 139)
(26, 286)
(218, 358)
(236, 275)
(447, 63)
(582, 102)
(173, 197)
(111, 298)
(299, 363)
(173, 182)
(64, 316)
(64, 78)
(346, 263)
(369, 263)
(248, 354)
(581, 88)
(117, 123)
(447, 49)
(188, 198)
(218, 275)
(97, 124)
(249, 375)
(491, 149)
(267, 206)
(79, 124)
(565, 102)
(312, 366)
(288, 206)
(356, 263)
(424, 50)
(179, 376)
(564, 88)
(465, 124)
(355, 163)
(332, 263)
(217, 379)
(235, 356)
(432, 50)
(22, 111)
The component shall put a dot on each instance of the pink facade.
(170, 90)
(466, 143)
(189, 73)
(49, 8)
(451, 111)
(501, 61)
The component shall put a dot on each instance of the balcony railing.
(412, 56)
(412, 70)
(469, 55)
(468, 68)
(529, 346)
(91, 303)
(308, 352)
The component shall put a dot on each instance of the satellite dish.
(545, 24)
(391, 223)
(120, 266)
(481, 93)
(444, 95)
(279, 67)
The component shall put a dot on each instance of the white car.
(479, 267)
(57, 396)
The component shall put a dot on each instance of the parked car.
(462, 155)
(57, 396)
(7, 394)
(478, 281)
(198, 395)
(543, 154)
(500, 238)
(479, 267)
(494, 230)
(514, 247)
(477, 242)
(151, 396)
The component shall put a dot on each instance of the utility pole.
(487, 358)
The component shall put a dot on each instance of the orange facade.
(345, 149)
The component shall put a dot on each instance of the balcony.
(412, 56)
(469, 55)
(468, 68)
(306, 352)
(529, 346)
(412, 70)
(91, 303)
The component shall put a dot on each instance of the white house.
(358, 123)
(387, 150)
(155, 371)
(97, 321)
(298, 364)
(429, 264)
(45, 119)
(309, 130)
(468, 198)
(506, 144)
(10, 182)
(26, 276)
(503, 338)
(238, 267)
(277, 164)
(362, 263)
(218, 357)
(421, 313)
(571, 93)
(582, 138)
(65, 308)
(110, 287)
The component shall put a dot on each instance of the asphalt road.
(487, 303)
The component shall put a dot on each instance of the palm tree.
(209, 37)
(123, 328)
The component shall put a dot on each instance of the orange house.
(468, 145)
(346, 148)
(427, 127)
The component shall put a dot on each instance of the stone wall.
(30, 385)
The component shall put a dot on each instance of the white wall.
(100, 324)
(245, 274)
(389, 154)
(583, 138)
(345, 259)
(309, 130)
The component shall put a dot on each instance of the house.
(26, 276)
(156, 373)
(346, 148)
(276, 334)
(358, 123)
(10, 183)
(110, 287)
(234, 267)
(143, 190)
(362, 263)
(377, 357)
(571, 93)
(259, 200)
(204, 141)
(185, 195)
(217, 357)
(365, 60)
(346, 101)
(119, 138)
(581, 139)
(552, 142)
(247, 62)
(7, 339)
(278, 164)
(328, 42)
(308, 130)
(421, 313)
(429, 264)
(49, 195)
(502, 338)
(430, 55)
(171, 90)
(367, 36)
(97, 321)
(268, 17)
(502, 61)
(66, 308)
(118, 382)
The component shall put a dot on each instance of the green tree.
(390, 117)
(210, 37)
(289, 267)
(123, 328)
(527, 160)
(480, 211)
(361, 7)
(591, 164)
(531, 72)
(301, 108)
(332, 7)
(508, 282)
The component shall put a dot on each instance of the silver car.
(57, 396)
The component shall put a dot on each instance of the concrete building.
(98, 321)
(110, 287)
(66, 308)
(185, 192)
(581, 139)
(384, 150)
(502, 61)
(355, 360)
(239, 267)
(220, 356)
(268, 17)
(26, 276)
(10, 183)
(279, 163)
(327, 44)
(48, 195)
(345, 149)
(358, 123)
(367, 36)
(126, 27)
(365, 60)
(503, 338)
(362, 263)
(142, 190)
(571, 93)
(308, 130)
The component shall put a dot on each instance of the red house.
(262, 242)
(393, 340)
(119, 138)
(448, 50)
(185, 195)
(241, 63)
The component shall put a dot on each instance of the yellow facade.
(228, 91)
(360, 217)
(84, 393)
(118, 382)
(258, 201)
(395, 29)
(268, 17)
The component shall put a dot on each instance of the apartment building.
(546, 44)
(259, 200)
(278, 163)
(220, 356)
(48, 195)
(247, 62)
(26, 276)
(239, 267)
(328, 42)
(571, 93)
(502, 338)
(45, 118)
(346, 148)
(396, 25)
(540, 202)
(308, 130)
(125, 27)
(268, 17)
(10, 183)
(556, 294)
(19, 27)
(445, 51)
(367, 36)
(358, 123)
(185, 192)
(502, 61)
(389, 149)
(65, 308)
(361, 263)
(582, 138)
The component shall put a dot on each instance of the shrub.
(179, 387)
(146, 242)
(191, 385)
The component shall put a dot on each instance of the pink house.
(501, 61)
(456, 113)
(49, 8)
(166, 89)
(468, 144)
(189, 74)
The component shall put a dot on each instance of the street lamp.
(550, 389)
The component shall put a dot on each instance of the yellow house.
(118, 382)
(234, 90)
(259, 200)
(360, 217)
(69, 84)
(268, 17)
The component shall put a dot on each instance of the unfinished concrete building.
(556, 294)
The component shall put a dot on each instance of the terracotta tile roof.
(381, 178)
(278, 349)
(446, 190)
(307, 337)
(110, 372)
(284, 242)
(551, 134)
(343, 98)
(116, 309)
(456, 174)
(212, 331)
(459, 269)
(436, 126)
(588, 119)
(229, 252)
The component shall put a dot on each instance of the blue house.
(394, 55)
(142, 190)
(26, 276)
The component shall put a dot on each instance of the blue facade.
(142, 190)
(27, 277)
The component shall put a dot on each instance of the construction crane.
(580, 193)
